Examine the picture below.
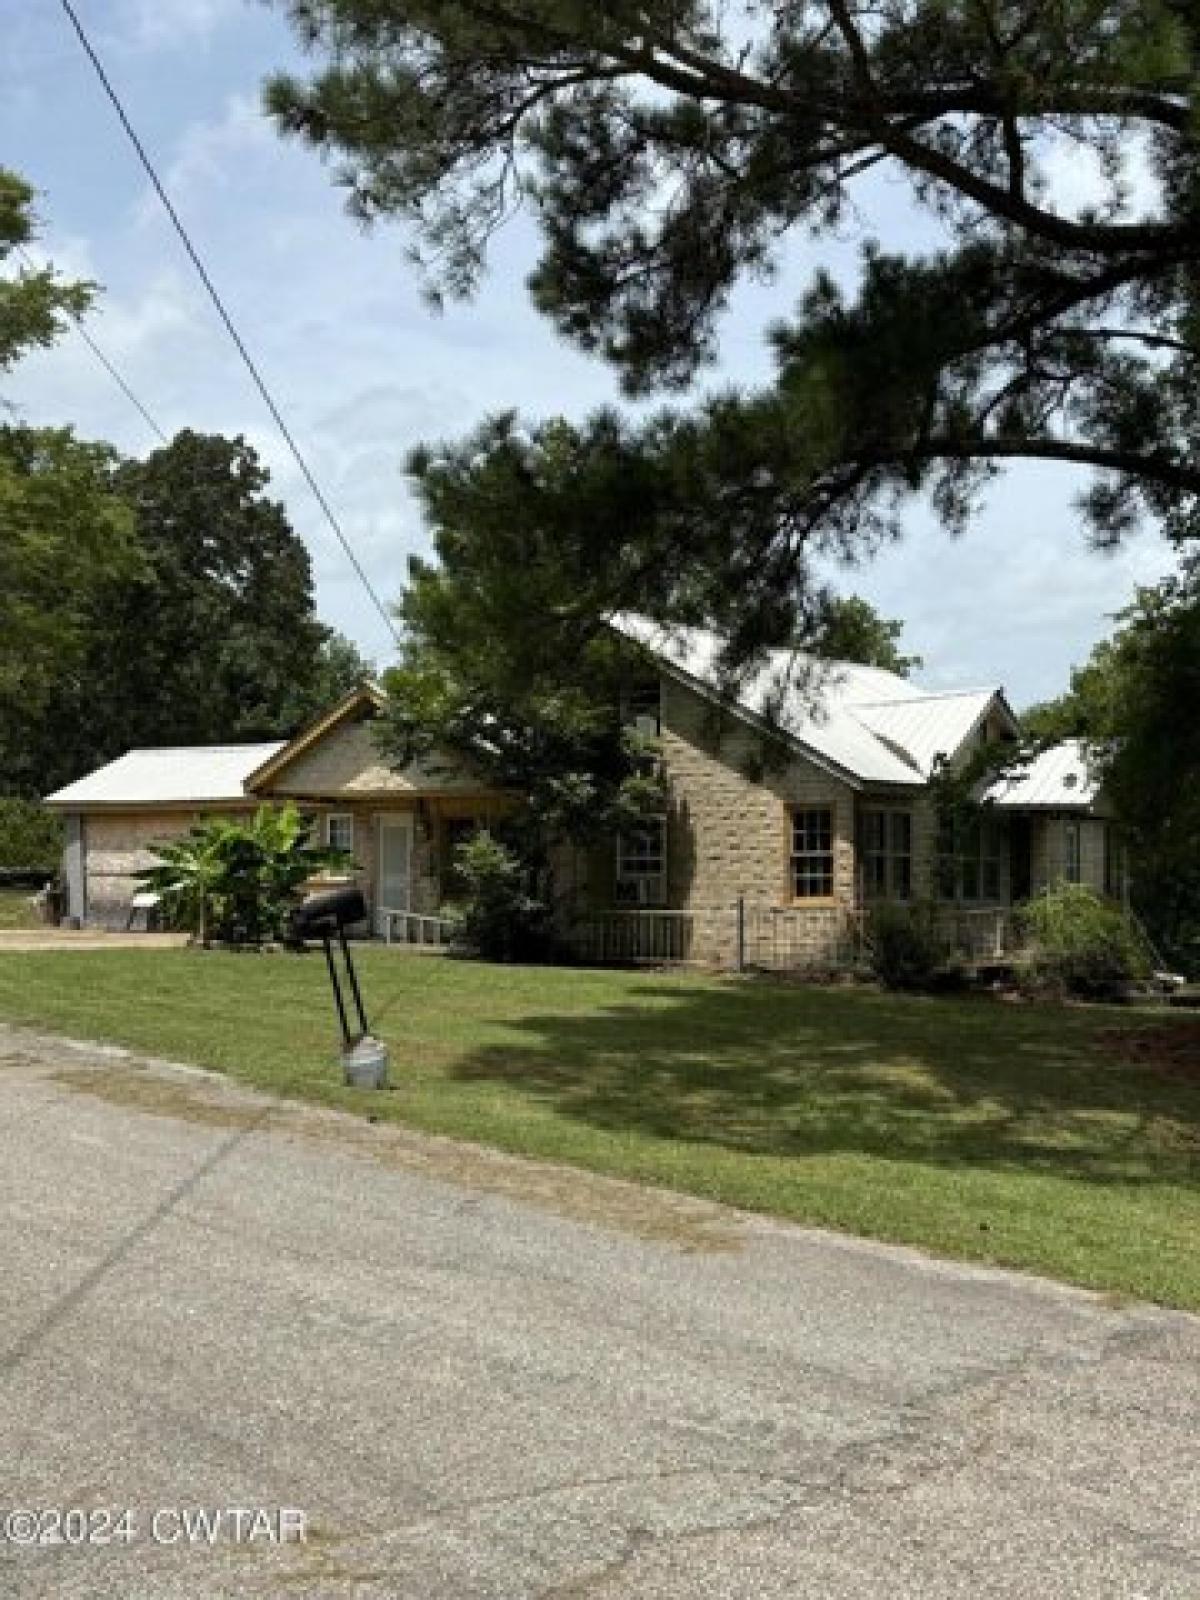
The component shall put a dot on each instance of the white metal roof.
(928, 725)
(872, 724)
(1058, 779)
(201, 773)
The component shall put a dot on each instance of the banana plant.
(238, 879)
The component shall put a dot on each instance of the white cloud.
(157, 25)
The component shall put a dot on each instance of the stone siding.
(346, 762)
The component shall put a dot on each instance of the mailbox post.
(326, 917)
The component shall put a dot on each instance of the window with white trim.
(642, 863)
(886, 848)
(339, 831)
(811, 863)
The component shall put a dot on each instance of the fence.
(744, 934)
(413, 928)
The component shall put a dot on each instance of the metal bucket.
(366, 1064)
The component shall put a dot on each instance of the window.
(643, 709)
(812, 854)
(886, 847)
(1071, 852)
(339, 831)
(969, 859)
(642, 863)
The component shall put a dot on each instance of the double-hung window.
(339, 831)
(886, 844)
(811, 861)
(642, 863)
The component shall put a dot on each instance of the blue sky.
(363, 370)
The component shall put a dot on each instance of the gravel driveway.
(469, 1376)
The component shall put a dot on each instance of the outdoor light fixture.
(326, 917)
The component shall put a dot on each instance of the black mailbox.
(326, 917)
(328, 913)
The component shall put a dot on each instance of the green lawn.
(15, 910)
(1024, 1135)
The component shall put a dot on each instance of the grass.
(1029, 1136)
(15, 909)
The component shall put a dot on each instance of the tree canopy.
(1134, 703)
(211, 637)
(670, 148)
(852, 630)
(65, 534)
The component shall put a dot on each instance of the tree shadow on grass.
(774, 1071)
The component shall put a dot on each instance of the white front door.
(394, 890)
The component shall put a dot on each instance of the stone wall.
(729, 809)
(115, 846)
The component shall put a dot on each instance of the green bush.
(498, 917)
(906, 951)
(1081, 943)
(238, 881)
(30, 836)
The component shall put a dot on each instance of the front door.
(394, 889)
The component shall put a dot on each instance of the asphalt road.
(478, 1377)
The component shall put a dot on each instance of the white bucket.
(366, 1064)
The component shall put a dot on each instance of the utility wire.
(101, 357)
(231, 329)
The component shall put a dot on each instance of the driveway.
(477, 1377)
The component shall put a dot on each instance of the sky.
(363, 370)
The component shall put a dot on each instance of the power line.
(100, 356)
(225, 317)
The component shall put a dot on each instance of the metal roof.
(928, 726)
(871, 724)
(179, 775)
(1057, 779)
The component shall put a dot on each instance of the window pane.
(339, 832)
(902, 878)
(901, 833)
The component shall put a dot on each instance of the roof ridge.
(926, 694)
(167, 749)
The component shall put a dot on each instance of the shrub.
(31, 838)
(238, 881)
(498, 917)
(906, 952)
(1082, 944)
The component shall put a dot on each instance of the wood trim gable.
(366, 694)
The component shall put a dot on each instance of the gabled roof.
(364, 696)
(1058, 780)
(182, 774)
(866, 724)
(931, 725)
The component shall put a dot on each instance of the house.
(806, 797)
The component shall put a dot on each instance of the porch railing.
(622, 937)
(746, 934)
(414, 928)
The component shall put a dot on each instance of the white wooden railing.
(414, 928)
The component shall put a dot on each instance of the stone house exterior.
(790, 808)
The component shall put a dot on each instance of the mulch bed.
(1174, 1049)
